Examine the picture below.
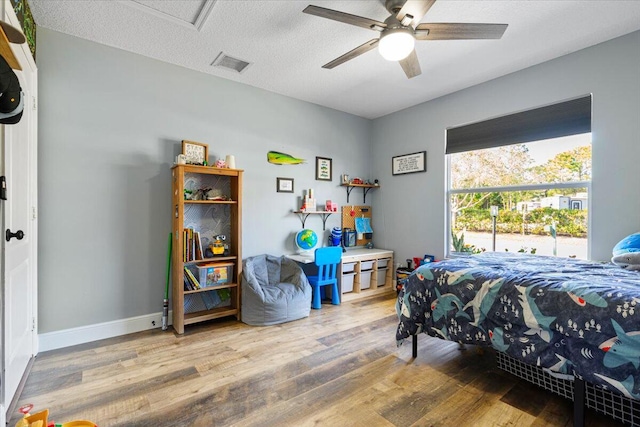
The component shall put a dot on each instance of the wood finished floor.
(339, 367)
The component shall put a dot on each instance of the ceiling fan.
(401, 29)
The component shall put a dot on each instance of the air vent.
(230, 63)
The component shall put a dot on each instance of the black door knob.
(18, 234)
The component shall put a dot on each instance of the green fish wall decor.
(278, 158)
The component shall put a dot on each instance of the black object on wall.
(566, 118)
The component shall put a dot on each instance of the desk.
(362, 272)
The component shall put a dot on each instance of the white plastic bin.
(366, 265)
(382, 276)
(365, 279)
(383, 263)
(347, 282)
(348, 267)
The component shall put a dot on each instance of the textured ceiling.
(287, 48)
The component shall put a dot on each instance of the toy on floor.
(626, 253)
(39, 419)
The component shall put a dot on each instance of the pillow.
(626, 253)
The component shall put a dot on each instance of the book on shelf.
(192, 249)
(192, 278)
(198, 245)
(187, 284)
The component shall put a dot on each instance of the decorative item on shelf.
(376, 182)
(230, 160)
(181, 159)
(200, 194)
(188, 194)
(331, 206)
(220, 164)
(345, 178)
(216, 195)
(356, 181)
(309, 202)
(277, 158)
(323, 169)
(219, 247)
(196, 153)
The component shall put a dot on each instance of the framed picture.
(323, 169)
(284, 185)
(196, 153)
(409, 163)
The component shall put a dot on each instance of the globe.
(306, 239)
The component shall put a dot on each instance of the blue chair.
(327, 260)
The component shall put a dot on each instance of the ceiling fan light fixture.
(396, 44)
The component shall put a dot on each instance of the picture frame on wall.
(323, 169)
(409, 163)
(196, 153)
(284, 185)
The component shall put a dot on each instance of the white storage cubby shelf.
(366, 272)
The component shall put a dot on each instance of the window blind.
(552, 121)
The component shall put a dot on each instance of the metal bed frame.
(583, 394)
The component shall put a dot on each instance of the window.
(540, 187)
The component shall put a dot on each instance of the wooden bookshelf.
(214, 217)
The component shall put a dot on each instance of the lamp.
(396, 43)
(494, 214)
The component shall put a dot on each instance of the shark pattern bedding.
(571, 317)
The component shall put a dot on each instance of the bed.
(572, 319)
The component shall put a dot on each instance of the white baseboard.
(83, 334)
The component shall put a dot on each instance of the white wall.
(414, 204)
(111, 123)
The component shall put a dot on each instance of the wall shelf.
(303, 215)
(365, 189)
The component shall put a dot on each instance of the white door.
(19, 213)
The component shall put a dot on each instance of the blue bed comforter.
(578, 318)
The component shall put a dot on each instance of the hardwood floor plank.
(341, 366)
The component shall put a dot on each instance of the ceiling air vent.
(230, 63)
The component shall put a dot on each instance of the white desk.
(363, 272)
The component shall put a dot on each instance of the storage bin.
(215, 274)
(365, 279)
(366, 265)
(383, 263)
(348, 267)
(382, 276)
(347, 282)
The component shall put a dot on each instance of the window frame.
(527, 187)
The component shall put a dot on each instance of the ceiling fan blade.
(411, 65)
(347, 18)
(352, 54)
(416, 9)
(450, 31)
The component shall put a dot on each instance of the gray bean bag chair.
(274, 290)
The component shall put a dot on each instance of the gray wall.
(110, 125)
(413, 206)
